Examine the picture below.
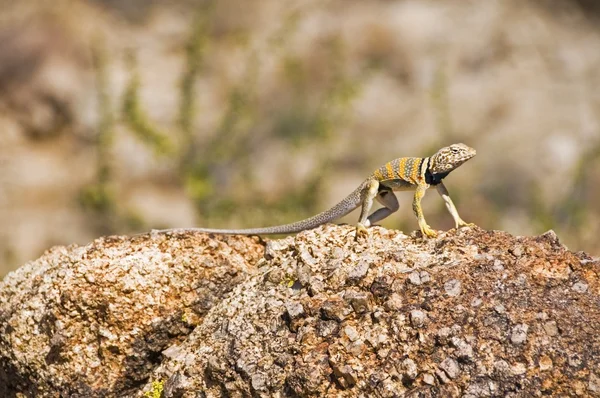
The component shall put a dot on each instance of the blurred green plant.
(305, 120)
(227, 149)
(230, 148)
(573, 210)
(137, 120)
(99, 197)
(542, 215)
(195, 51)
(212, 163)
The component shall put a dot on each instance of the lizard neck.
(433, 178)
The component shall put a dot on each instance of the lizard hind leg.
(369, 192)
(389, 201)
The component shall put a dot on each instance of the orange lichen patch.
(550, 269)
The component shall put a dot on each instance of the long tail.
(344, 207)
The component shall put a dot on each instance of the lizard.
(401, 174)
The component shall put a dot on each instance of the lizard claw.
(428, 232)
(361, 230)
(464, 224)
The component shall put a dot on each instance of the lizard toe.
(428, 232)
(361, 230)
(465, 224)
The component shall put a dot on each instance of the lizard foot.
(361, 230)
(465, 224)
(428, 232)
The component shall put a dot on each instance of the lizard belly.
(398, 184)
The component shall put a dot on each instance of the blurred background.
(121, 116)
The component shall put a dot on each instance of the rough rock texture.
(471, 313)
(93, 320)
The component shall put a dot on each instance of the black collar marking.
(434, 179)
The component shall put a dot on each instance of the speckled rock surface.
(93, 320)
(471, 313)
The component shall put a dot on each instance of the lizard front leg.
(369, 193)
(425, 229)
(459, 222)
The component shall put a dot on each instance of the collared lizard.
(400, 174)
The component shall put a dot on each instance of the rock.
(335, 309)
(501, 368)
(476, 302)
(414, 278)
(517, 251)
(551, 328)
(594, 383)
(498, 265)
(294, 309)
(359, 301)
(450, 366)
(327, 328)
(519, 334)
(394, 303)
(259, 382)
(443, 335)
(381, 287)
(452, 287)
(351, 333)
(580, 287)
(187, 314)
(111, 307)
(425, 277)
(409, 369)
(545, 363)
(464, 350)
(358, 272)
(417, 318)
(428, 379)
(272, 247)
(345, 375)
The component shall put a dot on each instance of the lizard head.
(449, 158)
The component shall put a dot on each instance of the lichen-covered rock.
(93, 320)
(471, 313)
(434, 317)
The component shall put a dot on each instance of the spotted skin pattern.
(400, 174)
